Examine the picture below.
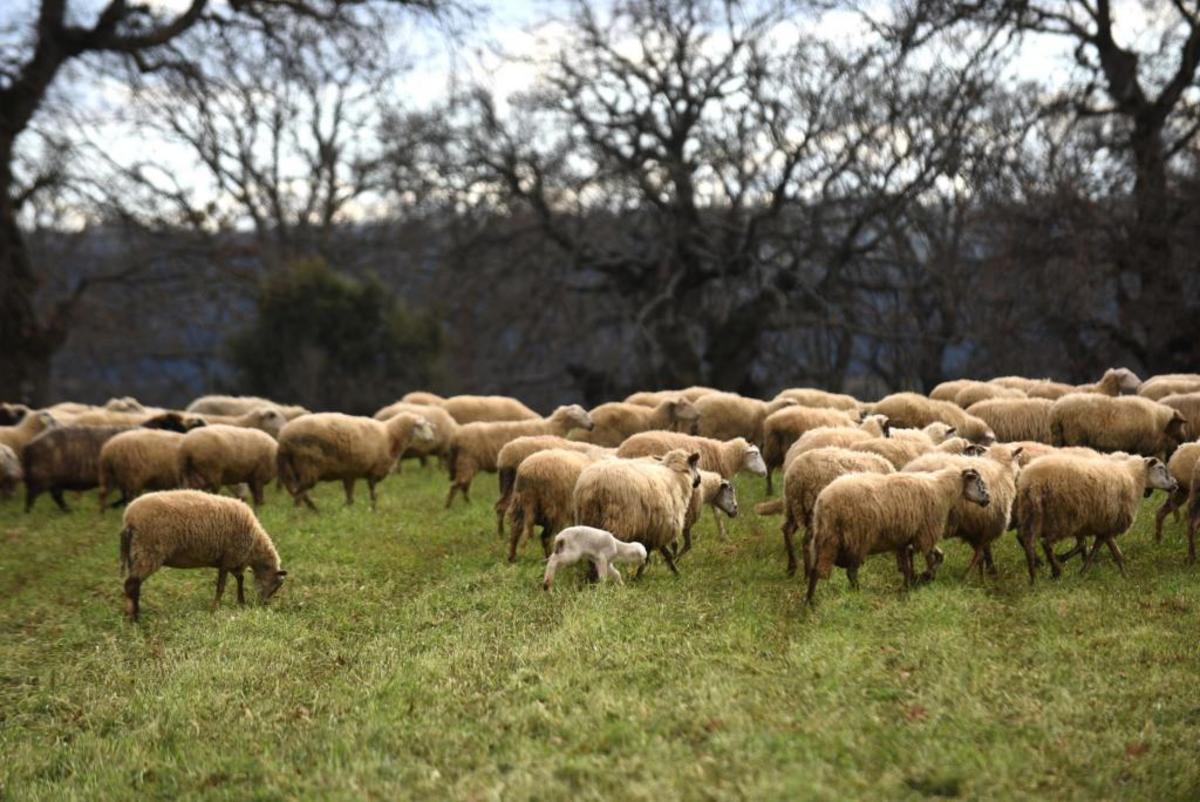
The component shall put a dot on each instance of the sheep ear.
(281, 572)
(1017, 451)
(693, 458)
(950, 432)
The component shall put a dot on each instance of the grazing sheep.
(1014, 419)
(265, 419)
(476, 446)
(514, 452)
(139, 460)
(713, 491)
(804, 479)
(12, 414)
(618, 420)
(16, 436)
(189, 529)
(902, 450)
(423, 398)
(727, 458)
(979, 526)
(10, 471)
(487, 409)
(240, 405)
(543, 494)
(811, 397)
(444, 427)
(1036, 388)
(982, 391)
(1158, 387)
(1181, 465)
(783, 428)
(866, 513)
(653, 399)
(724, 416)
(1188, 405)
(601, 548)
(1065, 496)
(640, 501)
(1127, 423)
(914, 411)
(218, 455)
(64, 458)
(1114, 382)
(330, 446)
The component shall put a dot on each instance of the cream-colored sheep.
(543, 494)
(265, 419)
(934, 434)
(169, 420)
(727, 458)
(1014, 419)
(871, 427)
(724, 416)
(982, 391)
(423, 398)
(601, 548)
(1157, 387)
(653, 399)
(10, 471)
(1066, 496)
(33, 424)
(331, 446)
(1036, 388)
(1181, 465)
(812, 397)
(947, 390)
(487, 409)
(1188, 405)
(444, 427)
(618, 420)
(1193, 517)
(804, 479)
(902, 450)
(12, 414)
(476, 446)
(219, 455)
(909, 410)
(783, 428)
(979, 526)
(639, 501)
(240, 405)
(1114, 382)
(715, 492)
(514, 452)
(866, 513)
(139, 460)
(1126, 423)
(189, 529)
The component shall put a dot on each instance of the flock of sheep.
(627, 479)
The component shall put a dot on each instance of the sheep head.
(576, 416)
(268, 580)
(270, 420)
(939, 432)
(974, 488)
(682, 412)
(1158, 477)
(726, 499)
(752, 461)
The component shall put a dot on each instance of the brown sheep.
(64, 458)
(215, 456)
(783, 428)
(982, 391)
(487, 409)
(1126, 423)
(811, 397)
(724, 416)
(1188, 405)
(1114, 382)
(1014, 419)
(914, 411)
(1181, 465)
(543, 494)
(515, 451)
(727, 458)
(618, 420)
(1157, 387)
(653, 399)
(444, 427)
(139, 460)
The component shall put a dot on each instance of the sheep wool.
(64, 458)
(515, 452)
(543, 494)
(653, 399)
(487, 408)
(10, 471)
(139, 460)
(1157, 387)
(423, 398)
(218, 456)
(982, 391)
(725, 416)
(190, 529)
(872, 427)
(713, 491)
(240, 405)
(1188, 405)
(600, 547)
(1181, 465)
(1014, 419)
(783, 428)
(1127, 423)
(1114, 382)
(727, 457)
(914, 411)
(443, 423)
(812, 397)
(618, 420)
(18, 435)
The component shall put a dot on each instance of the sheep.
(1181, 466)
(618, 420)
(1114, 382)
(947, 390)
(1066, 496)
(515, 451)
(811, 397)
(64, 458)
(782, 428)
(724, 416)
(12, 414)
(543, 494)
(984, 392)
(640, 501)
(1014, 419)
(866, 513)
(653, 399)
(600, 547)
(978, 526)
(871, 427)
(912, 410)
(265, 419)
(17, 436)
(1188, 405)
(190, 529)
(444, 427)
(169, 420)
(902, 450)
(713, 491)
(1035, 388)
(727, 458)
(1126, 423)
(330, 446)
(10, 472)
(423, 398)
(1158, 387)
(934, 434)
(240, 405)
(487, 408)
(803, 481)
(1193, 517)
(220, 455)
(476, 446)
(139, 460)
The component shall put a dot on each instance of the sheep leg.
(103, 498)
(988, 561)
(1117, 555)
(600, 565)
(222, 575)
(547, 539)
(976, 561)
(450, 495)
(687, 542)
(770, 488)
(666, 553)
(1080, 547)
(1168, 506)
(256, 493)
(789, 530)
(852, 576)
(904, 563)
(812, 585)
(933, 558)
(1193, 518)
(500, 511)
(371, 491)
(720, 523)
(614, 574)
(308, 502)
(348, 486)
(241, 580)
(513, 539)
(1090, 556)
(1030, 557)
(1055, 568)
(57, 495)
(133, 595)
(551, 567)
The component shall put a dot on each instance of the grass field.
(405, 659)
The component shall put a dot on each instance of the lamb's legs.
(551, 567)
(614, 574)
(789, 530)
(1055, 568)
(666, 553)
(1116, 553)
(222, 574)
(601, 567)
(241, 579)
(133, 594)
(348, 486)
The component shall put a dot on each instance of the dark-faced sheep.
(865, 513)
(189, 529)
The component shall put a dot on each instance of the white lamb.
(601, 547)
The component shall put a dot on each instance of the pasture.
(405, 659)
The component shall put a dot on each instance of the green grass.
(405, 659)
